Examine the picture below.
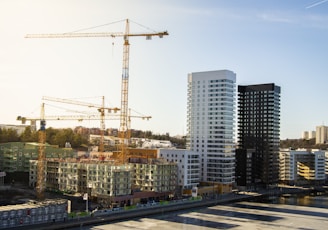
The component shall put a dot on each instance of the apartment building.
(258, 135)
(302, 167)
(307, 135)
(15, 156)
(321, 136)
(151, 144)
(154, 175)
(210, 123)
(188, 163)
(22, 216)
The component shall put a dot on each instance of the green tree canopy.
(8, 135)
(28, 135)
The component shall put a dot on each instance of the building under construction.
(84, 176)
(143, 176)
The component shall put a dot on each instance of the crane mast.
(102, 126)
(40, 185)
(123, 135)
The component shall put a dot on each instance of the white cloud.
(274, 17)
(318, 21)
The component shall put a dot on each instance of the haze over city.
(284, 42)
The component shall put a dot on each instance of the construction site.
(109, 179)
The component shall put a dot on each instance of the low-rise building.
(22, 215)
(108, 140)
(188, 163)
(302, 167)
(151, 144)
(15, 156)
(107, 179)
(155, 175)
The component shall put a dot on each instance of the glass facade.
(259, 131)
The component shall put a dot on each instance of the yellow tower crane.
(123, 130)
(101, 109)
(80, 118)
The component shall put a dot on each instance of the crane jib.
(92, 35)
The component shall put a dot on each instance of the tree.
(61, 136)
(8, 135)
(51, 135)
(28, 135)
(301, 143)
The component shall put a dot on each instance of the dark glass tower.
(257, 155)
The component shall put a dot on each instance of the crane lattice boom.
(95, 35)
(91, 117)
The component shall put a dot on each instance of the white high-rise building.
(311, 134)
(321, 134)
(308, 135)
(305, 135)
(210, 123)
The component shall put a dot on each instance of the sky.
(273, 41)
